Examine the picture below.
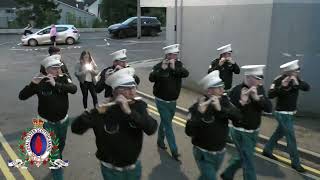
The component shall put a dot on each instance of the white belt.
(211, 152)
(287, 112)
(58, 122)
(110, 166)
(245, 130)
(164, 100)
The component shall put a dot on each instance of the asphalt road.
(19, 64)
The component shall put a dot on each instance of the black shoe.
(176, 156)
(163, 147)
(224, 178)
(299, 168)
(271, 156)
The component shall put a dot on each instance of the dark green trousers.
(61, 132)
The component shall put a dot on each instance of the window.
(61, 29)
(9, 11)
(46, 31)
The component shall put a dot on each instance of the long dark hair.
(83, 53)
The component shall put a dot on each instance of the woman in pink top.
(53, 34)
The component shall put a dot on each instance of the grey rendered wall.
(295, 32)
(206, 28)
(88, 18)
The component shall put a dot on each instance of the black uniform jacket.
(167, 83)
(119, 148)
(226, 71)
(209, 130)
(286, 96)
(252, 111)
(53, 101)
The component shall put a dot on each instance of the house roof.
(80, 4)
(8, 4)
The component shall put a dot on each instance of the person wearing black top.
(167, 77)
(250, 98)
(208, 125)
(286, 89)
(118, 128)
(226, 65)
(119, 62)
(52, 90)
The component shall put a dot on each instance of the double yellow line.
(4, 166)
(182, 122)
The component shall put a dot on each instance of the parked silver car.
(65, 34)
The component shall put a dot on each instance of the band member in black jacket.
(119, 62)
(167, 77)
(250, 98)
(118, 125)
(208, 126)
(286, 89)
(52, 90)
(226, 65)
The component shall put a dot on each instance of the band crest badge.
(38, 146)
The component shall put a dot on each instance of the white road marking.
(4, 43)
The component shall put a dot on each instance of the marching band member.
(53, 102)
(250, 98)
(226, 65)
(119, 128)
(86, 71)
(208, 125)
(286, 89)
(119, 62)
(167, 77)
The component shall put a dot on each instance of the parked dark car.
(149, 26)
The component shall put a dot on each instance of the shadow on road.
(168, 169)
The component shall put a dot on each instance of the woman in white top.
(85, 71)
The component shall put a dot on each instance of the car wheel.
(70, 41)
(153, 32)
(121, 34)
(32, 42)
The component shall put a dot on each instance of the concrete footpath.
(307, 129)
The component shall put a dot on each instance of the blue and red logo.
(38, 146)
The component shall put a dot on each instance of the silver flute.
(114, 103)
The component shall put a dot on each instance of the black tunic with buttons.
(209, 130)
(119, 136)
(53, 101)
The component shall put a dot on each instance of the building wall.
(295, 35)
(94, 8)
(269, 32)
(80, 14)
(6, 15)
(205, 28)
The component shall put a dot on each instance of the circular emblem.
(38, 145)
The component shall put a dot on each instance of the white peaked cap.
(290, 66)
(255, 70)
(224, 49)
(171, 49)
(54, 60)
(211, 80)
(119, 55)
(122, 77)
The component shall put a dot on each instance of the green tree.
(115, 11)
(42, 12)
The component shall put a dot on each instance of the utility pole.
(138, 19)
